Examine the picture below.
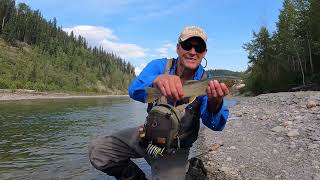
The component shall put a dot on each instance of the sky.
(142, 30)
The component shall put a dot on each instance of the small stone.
(277, 177)
(232, 147)
(311, 104)
(315, 163)
(275, 151)
(316, 176)
(210, 163)
(287, 123)
(298, 118)
(278, 129)
(292, 146)
(228, 158)
(297, 155)
(315, 138)
(313, 146)
(279, 138)
(293, 133)
(225, 169)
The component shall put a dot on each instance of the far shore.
(23, 94)
(26, 94)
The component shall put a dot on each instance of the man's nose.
(192, 51)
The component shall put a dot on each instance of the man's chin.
(191, 67)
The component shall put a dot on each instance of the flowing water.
(48, 139)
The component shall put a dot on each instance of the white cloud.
(166, 49)
(125, 50)
(135, 54)
(102, 36)
(93, 34)
(138, 69)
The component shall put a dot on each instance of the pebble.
(278, 129)
(316, 176)
(279, 137)
(311, 104)
(292, 146)
(229, 159)
(298, 118)
(313, 146)
(298, 155)
(289, 122)
(293, 133)
(277, 177)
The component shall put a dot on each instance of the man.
(112, 154)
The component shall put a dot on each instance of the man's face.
(191, 52)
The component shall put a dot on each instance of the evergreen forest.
(290, 56)
(37, 54)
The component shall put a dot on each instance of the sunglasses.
(188, 44)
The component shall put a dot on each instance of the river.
(48, 139)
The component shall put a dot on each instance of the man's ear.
(205, 52)
(178, 46)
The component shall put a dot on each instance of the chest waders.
(163, 127)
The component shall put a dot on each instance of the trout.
(193, 88)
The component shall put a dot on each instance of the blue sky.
(142, 30)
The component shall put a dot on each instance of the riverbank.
(270, 136)
(23, 94)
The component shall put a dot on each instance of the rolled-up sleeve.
(136, 89)
(215, 121)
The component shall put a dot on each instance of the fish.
(193, 88)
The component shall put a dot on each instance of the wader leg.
(171, 166)
(111, 154)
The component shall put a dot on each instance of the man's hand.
(170, 86)
(215, 92)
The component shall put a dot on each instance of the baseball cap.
(192, 31)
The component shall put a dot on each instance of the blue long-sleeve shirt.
(215, 121)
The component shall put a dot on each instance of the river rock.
(293, 133)
(278, 138)
(311, 104)
(278, 129)
(313, 146)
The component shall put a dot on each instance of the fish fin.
(192, 98)
(190, 82)
(153, 94)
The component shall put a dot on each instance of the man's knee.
(99, 150)
(111, 156)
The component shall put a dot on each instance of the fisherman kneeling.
(173, 121)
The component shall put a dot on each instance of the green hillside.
(37, 54)
(223, 72)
